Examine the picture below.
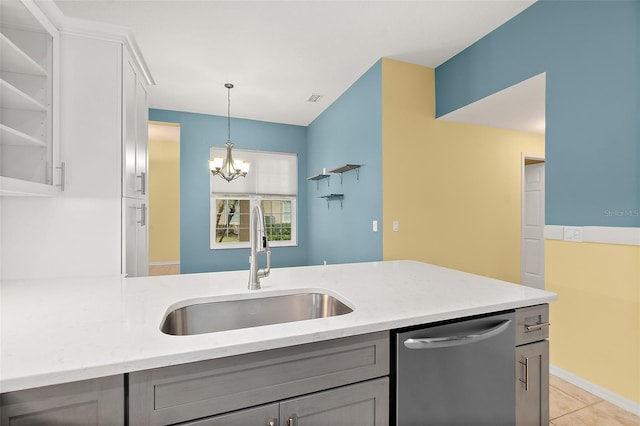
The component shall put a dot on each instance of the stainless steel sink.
(209, 317)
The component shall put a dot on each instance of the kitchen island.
(65, 330)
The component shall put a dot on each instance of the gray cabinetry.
(198, 390)
(532, 387)
(532, 366)
(266, 415)
(86, 403)
(365, 403)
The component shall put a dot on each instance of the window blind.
(271, 173)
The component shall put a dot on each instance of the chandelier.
(228, 168)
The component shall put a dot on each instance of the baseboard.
(607, 395)
(171, 262)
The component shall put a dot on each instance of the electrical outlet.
(396, 226)
(375, 226)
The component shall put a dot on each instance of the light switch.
(396, 226)
(573, 233)
(375, 226)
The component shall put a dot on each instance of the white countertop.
(62, 330)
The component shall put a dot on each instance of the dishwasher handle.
(449, 341)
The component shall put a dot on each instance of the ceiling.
(519, 107)
(279, 53)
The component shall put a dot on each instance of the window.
(272, 182)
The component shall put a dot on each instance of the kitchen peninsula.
(65, 330)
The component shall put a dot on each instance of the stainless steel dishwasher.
(456, 373)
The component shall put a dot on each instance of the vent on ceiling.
(314, 98)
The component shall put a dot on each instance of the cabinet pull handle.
(143, 215)
(535, 327)
(526, 373)
(63, 175)
(143, 182)
(272, 423)
(290, 421)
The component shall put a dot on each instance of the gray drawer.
(532, 324)
(190, 391)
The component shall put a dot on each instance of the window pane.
(231, 220)
(227, 218)
(277, 217)
(244, 220)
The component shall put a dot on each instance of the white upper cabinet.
(29, 157)
(135, 116)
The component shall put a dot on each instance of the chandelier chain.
(228, 168)
(229, 113)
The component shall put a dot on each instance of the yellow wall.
(164, 201)
(455, 188)
(595, 324)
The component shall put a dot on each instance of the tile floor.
(569, 405)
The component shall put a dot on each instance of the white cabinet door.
(135, 121)
(142, 136)
(134, 130)
(90, 126)
(135, 238)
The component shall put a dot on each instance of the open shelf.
(28, 95)
(15, 60)
(10, 136)
(18, 187)
(333, 197)
(14, 98)
(346, 168)
(317, 178)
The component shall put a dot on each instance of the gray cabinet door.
(365, 403)
(532, 384)
(182, 393)
(266, 415)
(85, 403)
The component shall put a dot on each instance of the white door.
(533, 226)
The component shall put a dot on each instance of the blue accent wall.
(198, 133)
(348, 131)
(590, 51)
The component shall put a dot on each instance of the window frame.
(253, 199)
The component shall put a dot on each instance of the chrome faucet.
(259, 243)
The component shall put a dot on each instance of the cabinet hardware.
(63, 175)
(143, 214)
(272, 423)
(535, 327)
(290, 421)
(143, 183)
(526, 373)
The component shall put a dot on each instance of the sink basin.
(209, 317)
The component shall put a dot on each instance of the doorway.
(164, 198)
(533, 220)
